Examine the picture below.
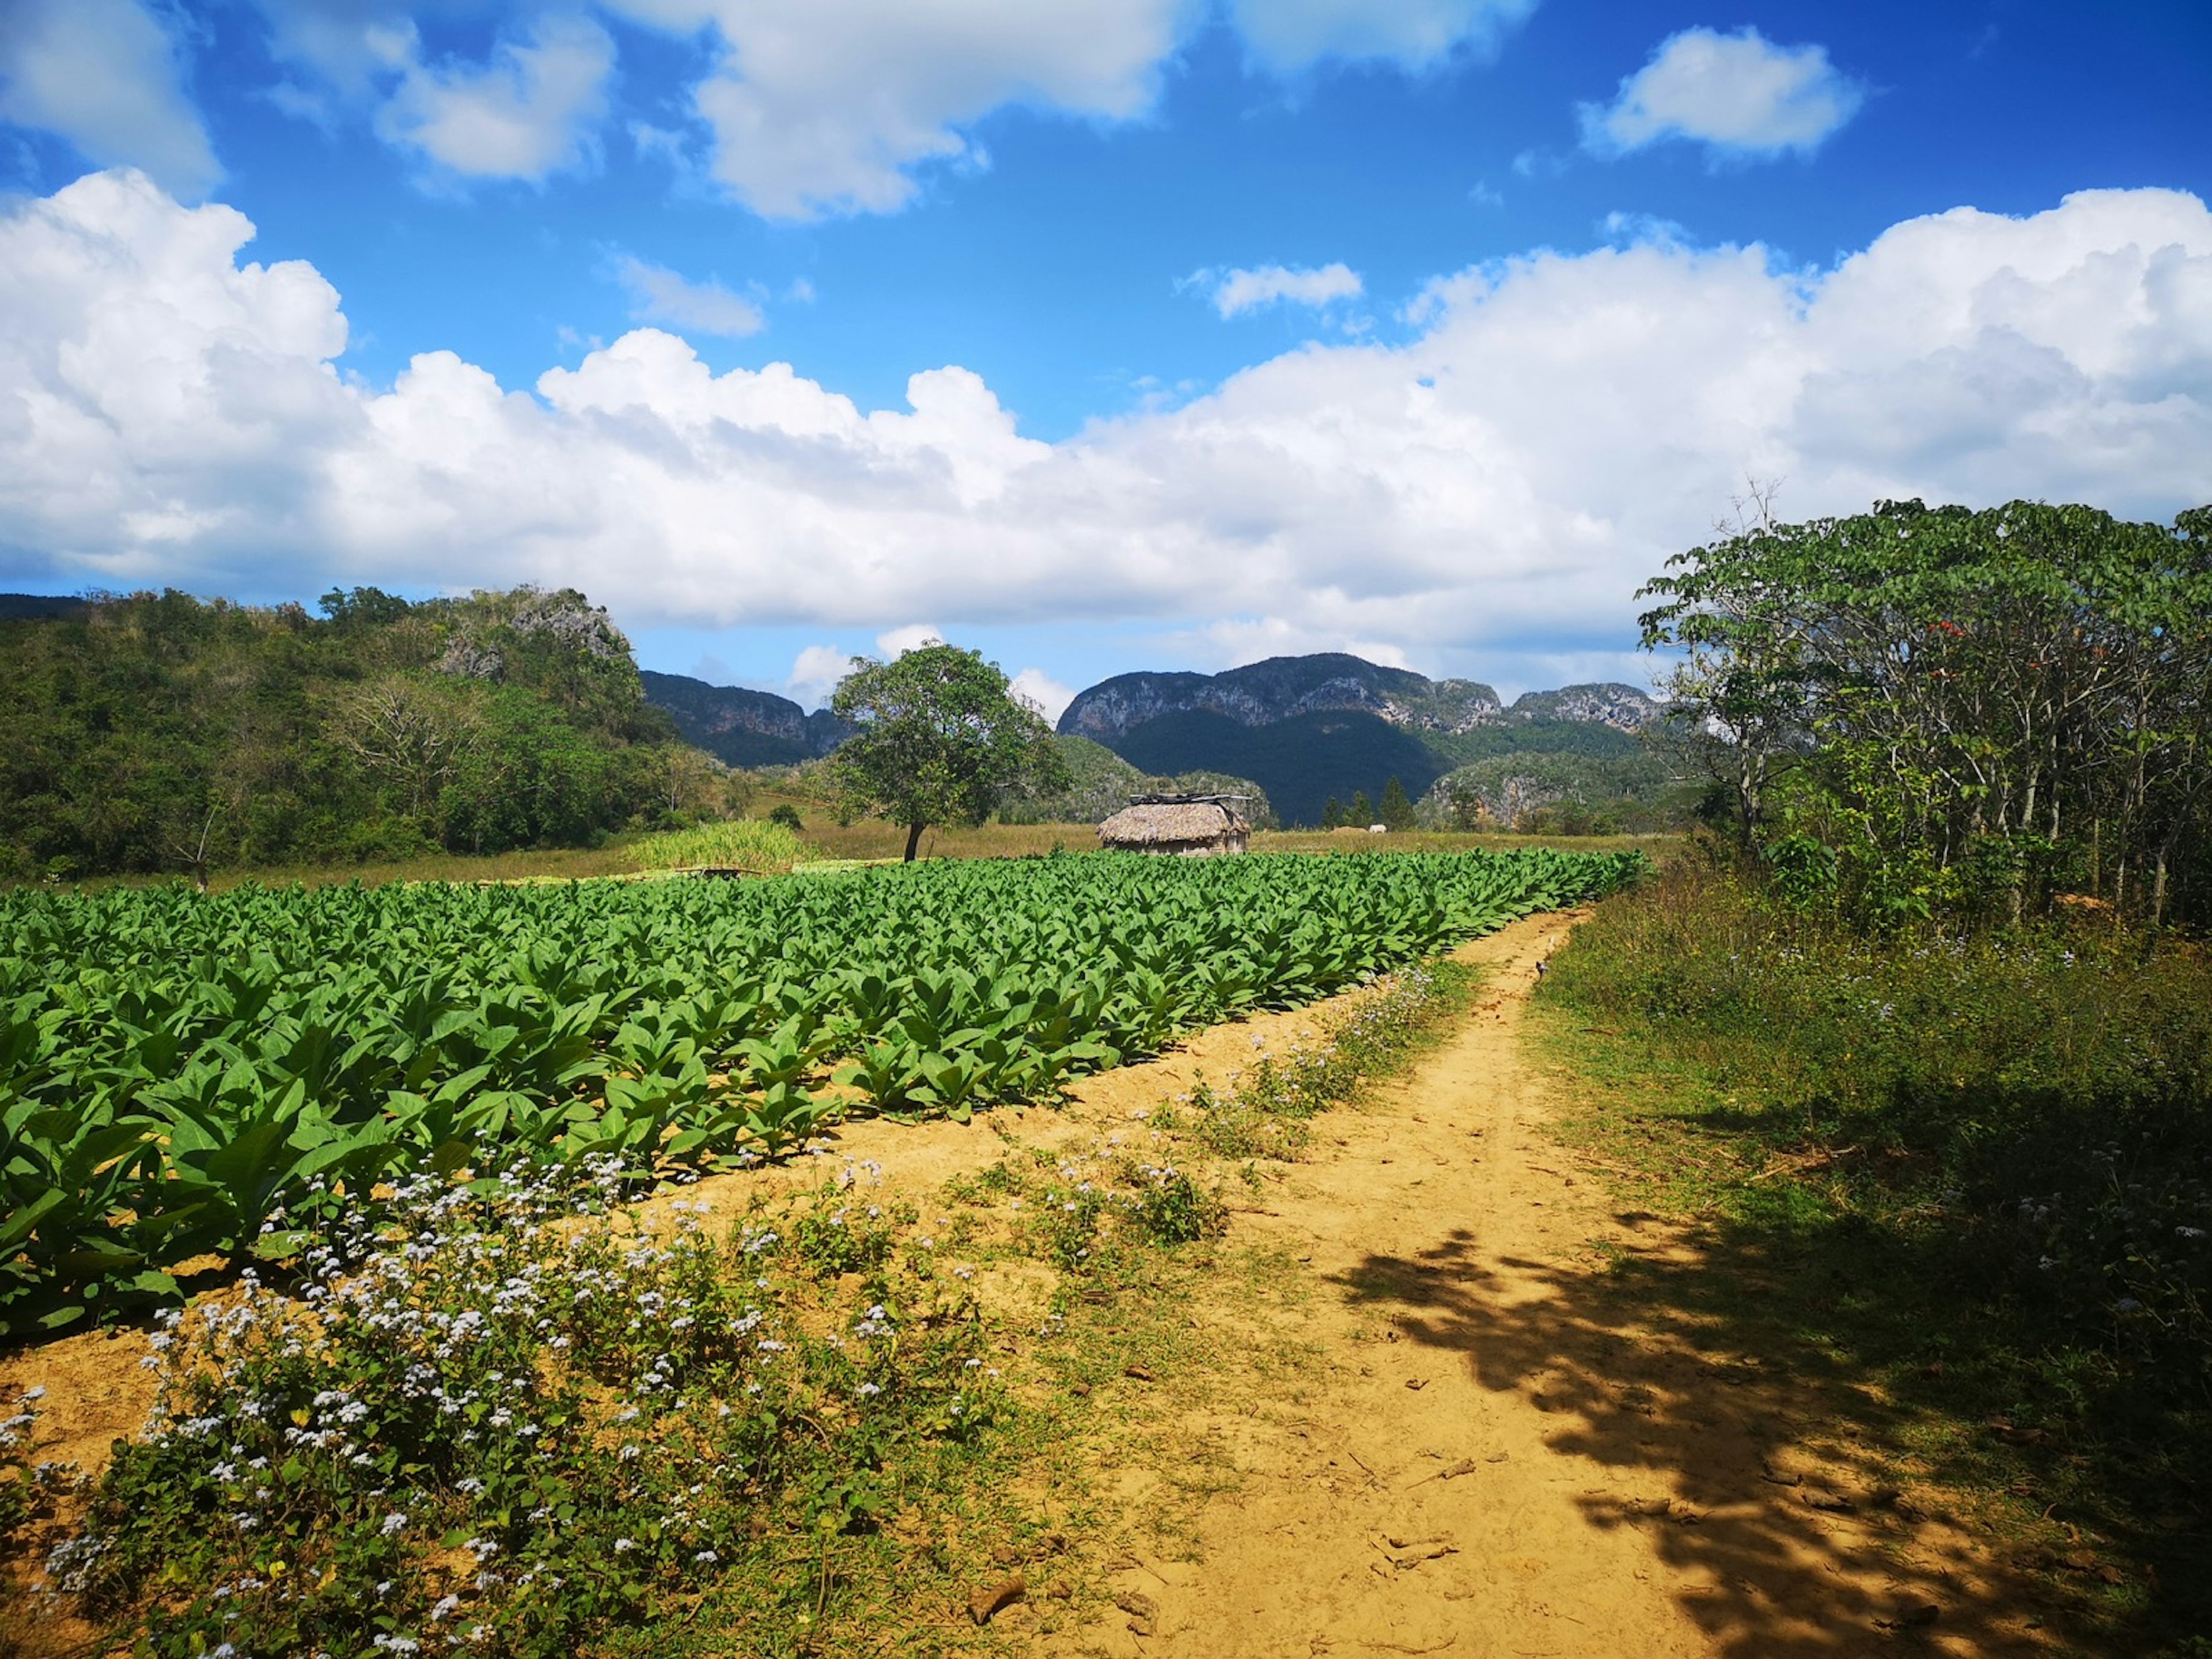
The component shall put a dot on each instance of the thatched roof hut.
(1195, 826)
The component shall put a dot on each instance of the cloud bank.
(797, 109)
(1739, 95)
(1499, 481)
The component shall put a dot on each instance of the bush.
(1974, 1166)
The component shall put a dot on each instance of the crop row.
(182, 1074)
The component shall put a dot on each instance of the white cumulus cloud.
(1741, 94)
(660, 295)
(1287, 36)
(897, 642)
(814, 673)
(106, 76)
(1050, 697)
(1493, 489)
(826, 107)
(1236, 292)
(531, 111)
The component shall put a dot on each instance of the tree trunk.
(912, 840)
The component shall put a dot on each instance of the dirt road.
(1487, 1443)
(1496, 1451)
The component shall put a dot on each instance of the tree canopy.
(1975, 704)
(940, 736)
(160, 732)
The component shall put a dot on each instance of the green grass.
(1265, 1110)
(753, 845)
(1961, 1185)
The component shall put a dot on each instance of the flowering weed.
(488, 1426)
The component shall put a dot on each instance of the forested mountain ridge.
(1332, 727)
(742, 728)
(155, 731)
(1284, 688)
(1279, 689)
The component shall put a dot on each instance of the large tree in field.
(940, 738)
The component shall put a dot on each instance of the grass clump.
(481, 1424)
(1264, 1109)
(760, 846)
(1975, 1168)
(1095, 1212)
(837, 1232)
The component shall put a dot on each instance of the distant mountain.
(1622, 706)
(1308, 728)
(742, 728)
(1279, 689)
(1300, 761)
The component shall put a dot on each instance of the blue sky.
(1425, 328)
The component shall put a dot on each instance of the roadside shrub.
(839, 1232)
(27, 1485)
(1096, 1207)
(1066, 1223)
(1264, 1110)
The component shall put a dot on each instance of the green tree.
(157, 732)
(1332, 815)
(1975, 706)
(940, 737)
(1396, 810)
(1361, 812)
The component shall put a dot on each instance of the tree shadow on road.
(1803, 1509)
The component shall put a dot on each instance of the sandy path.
(1493, 1453)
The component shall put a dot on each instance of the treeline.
(158, 731)
(1559, 793)
(1926, 708)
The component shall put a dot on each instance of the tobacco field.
(183, 1074)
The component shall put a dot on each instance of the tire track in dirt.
(1495, 1450)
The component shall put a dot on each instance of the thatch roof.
(1158, 824)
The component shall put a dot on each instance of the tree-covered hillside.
(743, 727)
(158, 731)
(1102, 783)
(1300, 761)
